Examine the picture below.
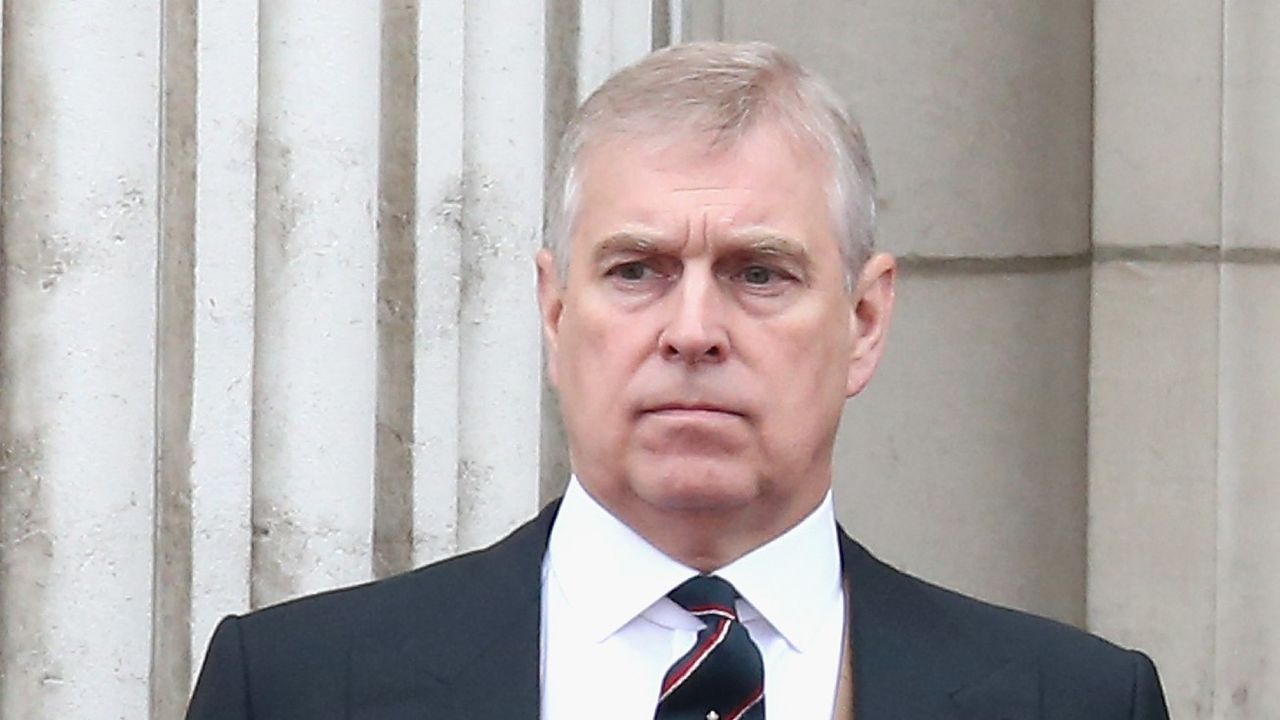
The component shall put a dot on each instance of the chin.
(696, 485)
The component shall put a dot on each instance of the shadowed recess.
(563, 28)
(268, 178)
(276, 210)
(929, 265)
(1182, 254)
(397, 261)
(171, 586)
(660, 29)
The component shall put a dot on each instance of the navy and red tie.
(722, 677)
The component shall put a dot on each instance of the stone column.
(78, 325)
(224, 94)
(315, 350)
(500, 346)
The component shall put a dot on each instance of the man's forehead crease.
(709, 187)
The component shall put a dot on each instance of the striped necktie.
(722, 676)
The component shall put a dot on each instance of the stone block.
(1251, 134)
(964, 460)
(1153, 465)
(1249, 493)
(978, 114)
(1157, 109)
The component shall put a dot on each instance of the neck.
(708, 540)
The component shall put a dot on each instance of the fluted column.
(78, 341)
(267, 320)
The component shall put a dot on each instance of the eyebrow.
(746, 242)
(771, 244)
(626, 241)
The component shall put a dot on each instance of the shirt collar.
(793, 580)
(610, 575)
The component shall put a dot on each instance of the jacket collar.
(482, 654)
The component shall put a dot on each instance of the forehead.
(767, 179)
(770, 143)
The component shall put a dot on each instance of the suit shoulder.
(461, 584)
(1075, 667)
(1021, 633)
(302, 658)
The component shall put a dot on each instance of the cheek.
(809, 355)
(596, 360)
(807, 373)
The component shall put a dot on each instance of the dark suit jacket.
(460, 639)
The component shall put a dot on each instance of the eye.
(762, 279)
(757, 275)
(630, 271)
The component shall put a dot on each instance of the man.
(709, 299)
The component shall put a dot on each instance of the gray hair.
(723, 90)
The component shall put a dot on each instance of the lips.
(692, 409)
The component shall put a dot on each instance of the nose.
(695, 332)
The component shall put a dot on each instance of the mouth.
(692, 410)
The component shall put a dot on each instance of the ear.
(872, 301)
(550, 308)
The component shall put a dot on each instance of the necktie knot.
(722, 676)
(707, 597)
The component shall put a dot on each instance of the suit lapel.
(912, 661)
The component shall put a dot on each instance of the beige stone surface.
(1158, 72)
(964, 461)
(1248, 685)
(978, 113)
(1251, 134)
(1153, 455)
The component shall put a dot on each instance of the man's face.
(704, 342)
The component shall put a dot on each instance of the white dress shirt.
(609, 632)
